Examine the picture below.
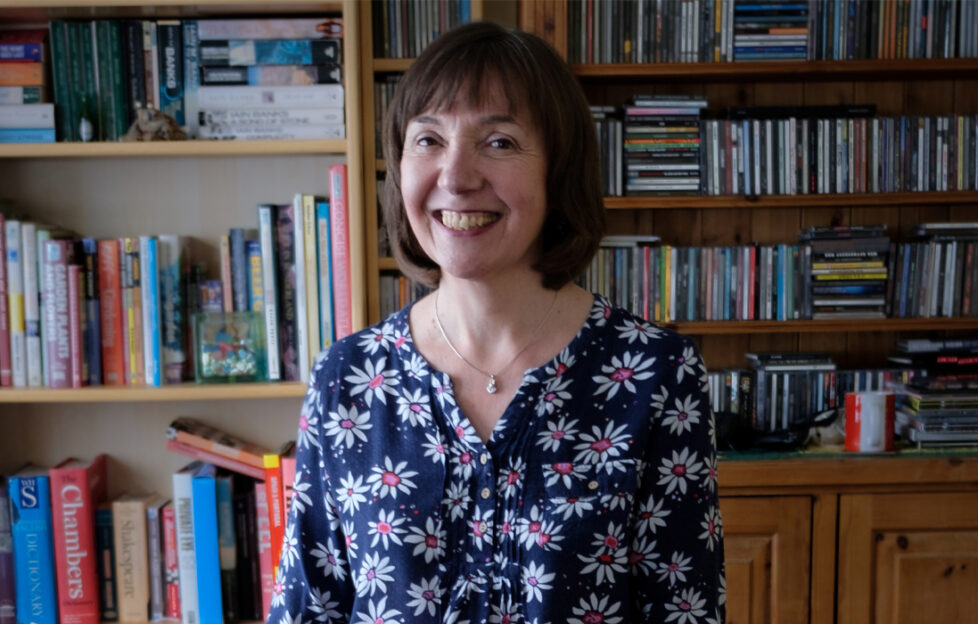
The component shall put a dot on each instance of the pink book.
(74, 325)
(171, 566)
(110, 313)
(264, 548)
(340, 250)
(6, 373)
(77, 488)
(57, 340)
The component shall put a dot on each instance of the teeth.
(466, 220)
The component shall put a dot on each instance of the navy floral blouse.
(594, 500)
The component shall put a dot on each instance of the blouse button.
(592, 485)
(483, 527)
(484, 458)
(486, 492)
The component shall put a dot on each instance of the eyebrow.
(485, 121)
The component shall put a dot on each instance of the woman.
(510, 448)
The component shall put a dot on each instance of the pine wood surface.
(171, 148)
(177, 392)
(781, 202)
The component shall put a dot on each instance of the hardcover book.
(91, 311)
(266, 233)
(105, 545)
(77, 488)
(154, 540)
(6, 377)
(15, 303)
(110, 312)
(340, 250)
(57, 254)
(132, 555)
(288, 294)
(77, 367)
(174, 268)
(171, 564)
(227, 549)
(8, 590)
(169, 37)
(207, 545)
(152, 334)
(32, 528)
(186, 557)
(197, 434)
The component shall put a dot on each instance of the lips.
(464, 221)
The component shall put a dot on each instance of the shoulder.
(626, 331)
(367, 345)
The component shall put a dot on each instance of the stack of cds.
(662, 145)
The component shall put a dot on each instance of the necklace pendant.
(491, 386)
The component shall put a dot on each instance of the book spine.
(186, 559)
(207, 549)
(151, 68)
(134, 311)
(264, 546)
(133, 67)
(75, 492)
(171, 563)
(325, 271)
(32, 313)
(125, 302)
(8, 589)
(239, 270)
(152, 341)
(256, 294)
(191, 76)
(311, 256)
(301, 297)
(285, 236)
(77, 366)
(154, 541)
(102, 61)
(6, 374)
(266, 218)
(105, 545)
(173, 261)
(15, 303)
(227, 549)
(227, 282)
(274, 496)
(340, 249)
(247, 567)
(132, 559)
(55, 286)
(33, 544)
(92, 327)
(169, 37)
(305, 96)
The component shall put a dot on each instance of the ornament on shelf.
(154, 125)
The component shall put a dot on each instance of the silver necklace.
(491, 386)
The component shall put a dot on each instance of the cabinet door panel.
(908, 558)
(767, 546)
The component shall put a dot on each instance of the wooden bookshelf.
(750, 202)
(171, 148)
(726, 328)
(174, 393)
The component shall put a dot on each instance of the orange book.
(22, 75)
(110, 309)
(197, 434)
(275, 497)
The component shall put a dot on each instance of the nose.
(460, 170)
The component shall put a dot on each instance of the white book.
(311, 234)
(271, 117)
(266, 220)
(15, 304)
(757, 156)
(27, 116)
(769, 155)
(150, 299)
(186, 557)
(32, 310)
(252, 132)
(43, 235)
(304, 96)
(301, 313)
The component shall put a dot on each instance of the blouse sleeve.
(313, 582)
(677, 546)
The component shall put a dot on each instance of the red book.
(77, 488)
(75, 325)
(110, 307)
(264, 549)
(171, 566)
(6, 373)
(57, 341)
(275, 496)
(215, 458)
(340, 250)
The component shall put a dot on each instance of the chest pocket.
(590, 490)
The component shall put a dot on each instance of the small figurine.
(154, 125)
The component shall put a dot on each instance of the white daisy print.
(622, 372)
(560, 364)
(378, 613)
(651, 516)
(554, 395)
(457, 500)
(429, 542)
(686, 364)
(555, 433)
(348, 425)
(567, 507)
(594, 609)
(373, 381)
(376, 338)
(290, 546)
(425, 596)
(322, 604)
(599, 446)
(510, 480)
(711, 527)
(604, 564)
(300, 492)
(329, 559)
(600, 313)
(633, 330)
(564, 472)
(434, 448)
(675, 569)
(682, 416)
(386, 529)
(675, 473)
(352, 492)
(686, 607)
(389, 480)
(642, 556)
(308, 434)
(536, 581)
(375, 574)
(413, 408)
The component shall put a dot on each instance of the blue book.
(465, 12)
(207, 545)
(92, 331)
(152, 336)
(239, 270)
(256, 295)
(26, 135)
(33, 532)
(172, 260)
(169, 37)
(191, 76)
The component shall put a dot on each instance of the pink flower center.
(635, 557)
(593, 617)
(390, 479)
(376, 381)
(303, 422)
(682, 416)
(685, 606)
(379, 621)
(611, 541)
(601, 445)
(534, 527)
(349, 492)
(415, 408)
(465, 457)
(400, 341)
(512, 477)
(561, 369)
(607, 312)
(506, 527)
(371, 575)
(679, 470)
(563, 468)
(428, 595)
(440, 449)
(383, 527)
(543, 539)
(673, 567)
(558, 435)
(532, 581)
(431, 541)
(549, 396)
(605, 559)
(346, 423)
(476, 530)
(621, 374)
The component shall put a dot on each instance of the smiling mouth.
(462, 221)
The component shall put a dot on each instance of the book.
(285, 279)
(57, 254)
(77, 488)
(301, 288)
(310, 273)
(214, 458)
(77, 369)
(227, 286)
(263, 536)
(227, 549)
(91, 312)
(15, 303)
(239, 269)
(269, 118)
(324, 264)
(32, 311)
(304, 96)
(22, 75)
(169, 38)
(254, 52)
(191, 76)
(6, 374)
(171, 565)
(129, 515)
(8, 589)
(105, 545)
(110, 312)
(23, 45)
(154, 541)
(247, 567)
(32, 528)
(186, 557)
(275, 500)
(150, 291)
(15, 95)
(276, 28)
(271, 75)
(27, 135)
(198, 434)
(27, 116)
(207, 545)
(340, 251)
(174, 268)
(266, 229)
(133, 300)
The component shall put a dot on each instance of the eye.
(425, 141)
(502, 143)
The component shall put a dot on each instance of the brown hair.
(464, 63)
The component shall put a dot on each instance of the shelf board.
(937, 69)
(245, 5)
(387, 263)
(179, 392)
(171, 148)
(381, 164)
(703, 328)
(392, 64)
(683, 202)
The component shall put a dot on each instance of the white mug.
(869, 421)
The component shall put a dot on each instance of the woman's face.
(473, 180)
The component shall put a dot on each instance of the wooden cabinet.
(908, 557)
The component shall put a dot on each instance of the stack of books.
(937, 276)
(849, 270)
(766, 31)
(662, 145)
(608, 125)
(791, 388)
(938, 411)
(270, 79)
(26, 111)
